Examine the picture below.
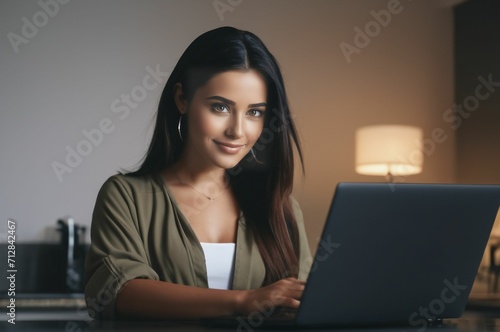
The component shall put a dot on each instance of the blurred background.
(80, 82)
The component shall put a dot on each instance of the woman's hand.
(285, 293)
(154, 299)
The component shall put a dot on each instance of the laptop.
(391, 254)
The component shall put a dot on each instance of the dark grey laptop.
(394, 254)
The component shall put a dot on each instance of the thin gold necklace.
(210, 198)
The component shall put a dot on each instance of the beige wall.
(66, 77)
(404, 76)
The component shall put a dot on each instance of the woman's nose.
(235, 127)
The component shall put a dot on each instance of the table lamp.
(389, 150)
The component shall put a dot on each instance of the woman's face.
(225, 118)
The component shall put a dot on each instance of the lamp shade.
(389, 149)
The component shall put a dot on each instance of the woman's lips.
(229, 148)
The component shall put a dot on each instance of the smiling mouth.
(229, 148)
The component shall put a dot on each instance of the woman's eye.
(256, 113)
(221, 108)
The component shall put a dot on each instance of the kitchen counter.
(46, 301)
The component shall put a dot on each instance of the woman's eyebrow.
(258, 105)
(224, 100)
(230, 102)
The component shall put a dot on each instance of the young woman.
(206, 226)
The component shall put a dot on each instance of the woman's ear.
(180, 99)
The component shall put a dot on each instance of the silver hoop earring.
(179, 127)
(255, 157)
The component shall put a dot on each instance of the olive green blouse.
(138, 231)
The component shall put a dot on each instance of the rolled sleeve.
(117, 253)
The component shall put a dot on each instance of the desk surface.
(470, 322)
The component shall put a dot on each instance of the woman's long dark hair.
(262, 182)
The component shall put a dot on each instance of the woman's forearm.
(145, 298)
